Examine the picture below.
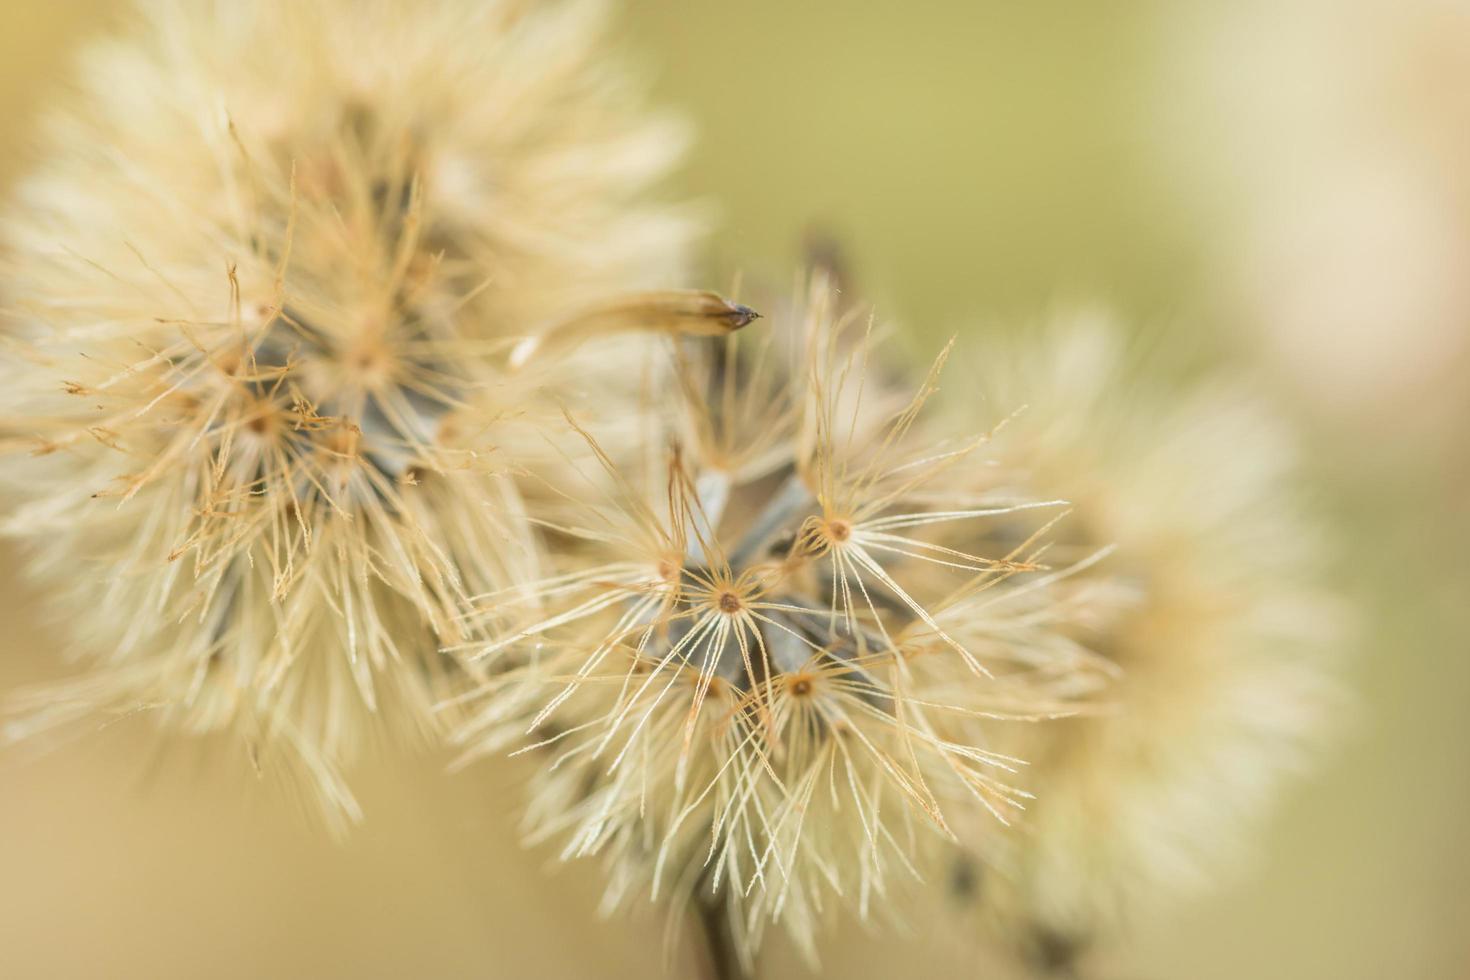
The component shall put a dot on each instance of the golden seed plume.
(263, 441)
(738, 672)
(1192, 584)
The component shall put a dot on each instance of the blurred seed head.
(1207, 613)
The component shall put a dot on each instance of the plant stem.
(719, 948)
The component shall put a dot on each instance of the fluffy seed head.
(740, 677)
(260, 296)
(1207, 613)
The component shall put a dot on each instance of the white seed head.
(739, 677)
(260, 294)
(1206, 611)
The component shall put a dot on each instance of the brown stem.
(721, 959)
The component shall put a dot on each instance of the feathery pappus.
(1208, 616)
(261, 295)
(745, 675)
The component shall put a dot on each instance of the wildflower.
(730, 673)
(1190, 587)
(256, 384)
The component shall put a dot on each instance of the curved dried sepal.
(676, 312)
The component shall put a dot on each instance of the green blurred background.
(1285, 183)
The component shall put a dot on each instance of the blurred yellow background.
(1284, 181)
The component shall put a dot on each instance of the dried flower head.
(1207, 615)
(263, 294)
(741, 674)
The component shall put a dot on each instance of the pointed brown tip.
(741, 316)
